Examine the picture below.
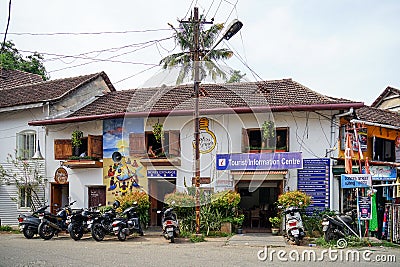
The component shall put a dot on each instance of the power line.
(86, 33)
(8, 23)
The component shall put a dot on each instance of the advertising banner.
(364, 207)
(382, 173)
(259, 161)
(356, 180)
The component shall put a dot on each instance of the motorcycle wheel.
(97, 232)
(329, 235)
(45, 231)
(121, 235)
(75, 232)
(28, 233)
(172, 239)
(297, 241)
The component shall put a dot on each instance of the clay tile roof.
(389, 90)
(46, 91)
(284, 92)
(377, 115)
(14, 78)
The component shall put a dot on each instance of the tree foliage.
(184, 37)
(10, 58)
(24, 174)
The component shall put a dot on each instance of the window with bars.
(26, 144)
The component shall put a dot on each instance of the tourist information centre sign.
(259, 161)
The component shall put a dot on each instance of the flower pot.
(239, 231)
(275, 231)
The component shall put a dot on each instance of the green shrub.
(143, 203)
(197, 238)
(6, 228)
(294, 198)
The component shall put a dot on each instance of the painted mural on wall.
(121, 173)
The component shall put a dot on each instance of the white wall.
(79, 179)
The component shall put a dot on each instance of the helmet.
(116, 204)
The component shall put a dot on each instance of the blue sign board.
(259, 161)
(355, 180)
(313, 180)
(161, 173)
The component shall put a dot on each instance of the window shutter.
(62, 148)
(174, 144)
(95, 146)
(245, 141)
(137, 146)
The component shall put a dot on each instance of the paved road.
(153, 250)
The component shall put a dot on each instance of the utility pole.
(196, 61)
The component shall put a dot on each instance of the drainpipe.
(330, 150)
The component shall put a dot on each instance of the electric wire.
(8, 24)
(86, 33)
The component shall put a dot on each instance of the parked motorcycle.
(170, 224)
(29, 224)
(128, 224)
(294, 224)
(340, 225)
(103, 225)
(52, 224)
(79, 222)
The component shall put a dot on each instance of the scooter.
(52, 224)
(294, 225)
(170, 224)
(29, 224)
(338, 226)
(123, 227)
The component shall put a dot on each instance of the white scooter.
(294, 224)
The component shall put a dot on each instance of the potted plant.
(238, 222)
(268, 135)
(275, 224)
(76, 140)
(158, 132)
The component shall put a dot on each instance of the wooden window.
(252, 140)
(62, 149)
(95, 146)
(137, 145)
(245, 141)
(170, 146)
(174, 144)
(91, 145)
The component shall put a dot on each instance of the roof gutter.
(234, 110)
(375, 124)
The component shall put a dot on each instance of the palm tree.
(184, 38)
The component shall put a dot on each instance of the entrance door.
(158, 188)
(97, 195)
(59, 196)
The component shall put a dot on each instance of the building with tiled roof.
(25, 97)
(232, 115)
(389, 99)
(14, 78)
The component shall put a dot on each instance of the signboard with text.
(313, 180)
(364, 207)
(259, 161)
(161, 173)
(356, 180)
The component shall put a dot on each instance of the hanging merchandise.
(384, 224)
(373, 223)
(396, 223)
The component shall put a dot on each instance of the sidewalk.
(257, 239)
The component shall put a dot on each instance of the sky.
(340, 48)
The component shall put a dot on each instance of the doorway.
(158, 188)
(258, 205)
(59, 196)
(97, 196)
